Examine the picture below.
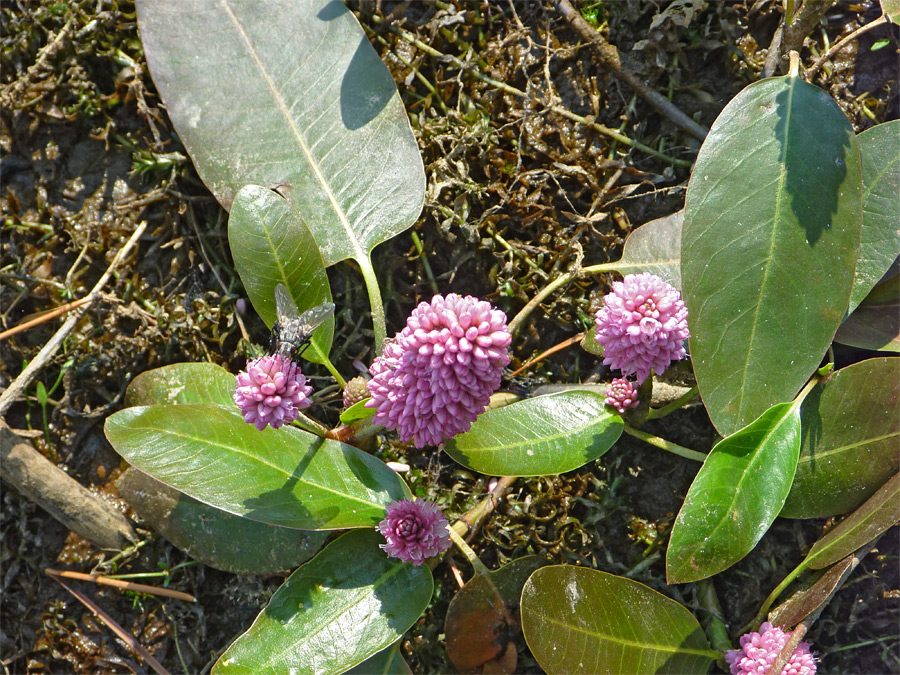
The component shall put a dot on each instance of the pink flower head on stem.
(271, 392)
(414, 530)
(642, 326)
(759, 650)
(621, 395)
(437, 375)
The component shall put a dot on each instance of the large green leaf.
(655, 247)
(289, 93)
(182, 383)
(879, 148)
(579, 620)
(538, 436)
(851, 430)
(735, 497)
(880, 511)
(346, 604)
(214, 537)
(272, 245)
(769, 245)
(283, 476)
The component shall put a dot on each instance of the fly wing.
(315, 317)
(285, 307)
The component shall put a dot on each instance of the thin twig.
(843, 42)
(123, 634)
(21, 383)
(575, 339)
(611, 59)
(44, 317)
(122, 584)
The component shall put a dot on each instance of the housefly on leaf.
(291, 333)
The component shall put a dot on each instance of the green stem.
(656, 413)
(467, 551)
(754, 623)
(423, 256)
(334, 372)
(663, 444)
(516, 324)
(378, 322)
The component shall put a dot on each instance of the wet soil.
(517, 193)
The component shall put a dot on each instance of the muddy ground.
(517, 192)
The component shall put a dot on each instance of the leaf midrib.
(295, 131)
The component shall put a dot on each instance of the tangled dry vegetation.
(538, 159)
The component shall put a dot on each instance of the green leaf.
(214, 537)
(284, 476)
(182, 383)
(579, 620)
(655, 247)
(879, 148)
(538, 436)
(769, 245)
(877, 514)
(294, 96)
(735, 497)
(891, 9)
(849, 444)
(357, 411)
(389, 661)
(334, 612)
(875, 324)
(272, 245)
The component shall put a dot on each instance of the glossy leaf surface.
(272, 245)
(579, 620)
(182, 383)
(283, 476)
(289, 93)
(877, 514)
(875, 323)
(346, 604)
(655, 247)
(879, 148)
(851, 431)
(538, 436)
(735, 497)
(769, 245)
(212, 536)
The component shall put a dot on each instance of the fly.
(291, 333)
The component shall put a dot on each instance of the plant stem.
(468, 552)
(656, 413)
(754, 623)
(378, 323)
(516, 324)
(663, 444)
(334, 371)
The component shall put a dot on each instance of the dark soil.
(516, 194)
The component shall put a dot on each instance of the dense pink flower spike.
(642, 326)
(272, 391)
(414, 530)
(622, 394)
(437, 375)
(759, 650)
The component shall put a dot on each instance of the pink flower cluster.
(437, 375)
(621, 395)
(271, 392)
(759, 650)
(414, 530)
(642, 326)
